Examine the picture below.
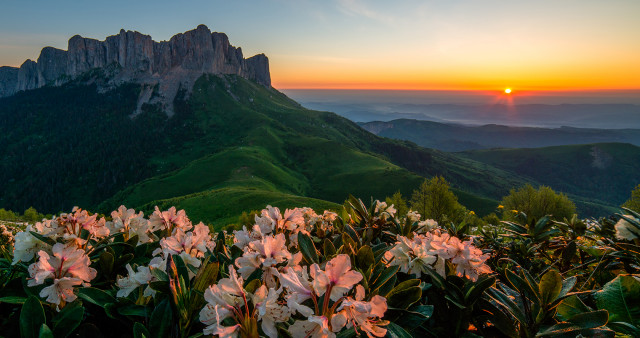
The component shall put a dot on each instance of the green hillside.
(232, 146)
(594, 175)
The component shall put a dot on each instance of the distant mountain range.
(223, 142)
(457, 137)
(388, 108)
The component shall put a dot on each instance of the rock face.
(8, 80)
(132, 56)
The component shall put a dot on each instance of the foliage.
(399, 202)
(633, 202)
(434, 200)
(536, 203)
(364, 270)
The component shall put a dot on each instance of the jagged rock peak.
(133, 56)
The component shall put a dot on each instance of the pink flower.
(337, 277)
(211, 315)
(365, 315)
(67, 261)
(168, 219)
(61, 290)
(314, 327)
(299, 289)
(272, 221)
(68, 267)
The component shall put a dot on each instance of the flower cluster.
(432, 250)
(185, 240)
(321, 302)
(68, 266)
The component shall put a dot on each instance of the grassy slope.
(597, 176)
(255, 146)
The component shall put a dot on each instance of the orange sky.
(375, 44)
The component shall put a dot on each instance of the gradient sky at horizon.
(408, 44)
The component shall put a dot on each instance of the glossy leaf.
(95, 296)
(621, 297)
(31, 318)
(550, 286)
(307, 248)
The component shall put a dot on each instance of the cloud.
(358, 8)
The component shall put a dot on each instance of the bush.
(537, 203)
(299, 273)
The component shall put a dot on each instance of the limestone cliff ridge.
(164, 67)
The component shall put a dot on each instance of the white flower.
(269, 311)
(26, 246)
(314, 327)
(299, 289)
(61, 290)
(413, 216)
(133, 280)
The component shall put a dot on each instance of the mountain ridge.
(164, 67)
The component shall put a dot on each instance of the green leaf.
(253, 285)
(45, 332)
(307, 248)
(621, 297)
(550, 287)
(161, 319)
(415, 316)
(590, 320)
(379, 279)
(474, 293)
(405, 294)
(67, 320)
(328, 248)
(106, 262)
(31, 318)
(160, 286)
(159, 274)
(96, 296)
(365, 257)
(180, 265)
(134, 310)
(139, 331)
(13, 300)
(625, 328)
(503, 322)
(570, 307)
(395, 331)
(43, 238)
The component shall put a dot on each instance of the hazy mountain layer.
(455, 137)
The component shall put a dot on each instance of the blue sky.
(371, 44)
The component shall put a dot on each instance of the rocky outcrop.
(8, 80)
(132, 56)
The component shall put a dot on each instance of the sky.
(377, 44)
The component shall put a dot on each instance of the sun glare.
(507, 91)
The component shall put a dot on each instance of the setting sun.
(507, 91)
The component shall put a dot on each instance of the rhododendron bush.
(301, 273)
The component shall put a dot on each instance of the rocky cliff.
(164, 66)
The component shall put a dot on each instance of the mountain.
(457, 137)
(229, 143)
(594, 175)
(163, 67)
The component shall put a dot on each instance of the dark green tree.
(434, 200)
(633, 202)
(398, 202)
(536, 203)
